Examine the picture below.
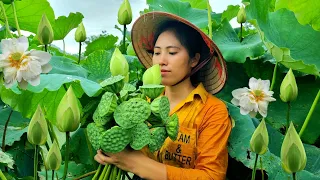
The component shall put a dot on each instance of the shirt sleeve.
(212, 153)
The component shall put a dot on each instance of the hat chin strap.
(194, 70)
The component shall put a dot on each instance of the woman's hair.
(188, 37)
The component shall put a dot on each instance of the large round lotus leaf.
(107, 105)
(158, 136)
(113, 84)
(172, 127)
(140, 136)
(94, 132)
(115, 139)
(160, 107)
(151, 90)
(132, 112)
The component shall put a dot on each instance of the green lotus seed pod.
(160, 107)
(140, 136)
(125, 13)
(113, 84)
(45, 31)
(152, 75)
(260, 139)
(293, 155)
(158, 136)
(53, 159)
(118, 64)
(94, 132)
(289, 88)
(38, 128)
(172, 127)
(151, 90)
(132, 112)
(107, 105)
(80, 34)
(115, 139)
(68, 112)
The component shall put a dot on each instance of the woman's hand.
(125, 160)
(135, 162)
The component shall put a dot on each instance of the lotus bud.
(45, 31)
(289, 88)
(125, 13)
(80, 34)
(260, 139)
(152, 75)
(293, 155)
(38, 128)
(7, 1)
(242, 17)
(130, 50)
(118, 64)
(53, 159)
(68, 112)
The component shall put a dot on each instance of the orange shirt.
(200, 150)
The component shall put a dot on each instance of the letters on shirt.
(184, 138)
(178, 157)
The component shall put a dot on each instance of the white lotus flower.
(253, 100)
(21, 65)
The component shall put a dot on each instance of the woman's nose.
(162, 59)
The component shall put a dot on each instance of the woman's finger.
(98, 159)
(101, 157)
(104, 153)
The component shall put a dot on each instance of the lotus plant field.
(57, 109)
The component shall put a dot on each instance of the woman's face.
(172, 57)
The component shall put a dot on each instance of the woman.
(192, 69)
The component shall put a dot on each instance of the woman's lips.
(164, 72)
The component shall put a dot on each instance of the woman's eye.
(172, 53)
(156, 53)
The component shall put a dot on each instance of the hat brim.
(213, 75)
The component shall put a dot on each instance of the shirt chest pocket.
(181, 152)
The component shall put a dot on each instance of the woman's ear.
(195, 60)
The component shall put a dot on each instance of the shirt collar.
(199, 90)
